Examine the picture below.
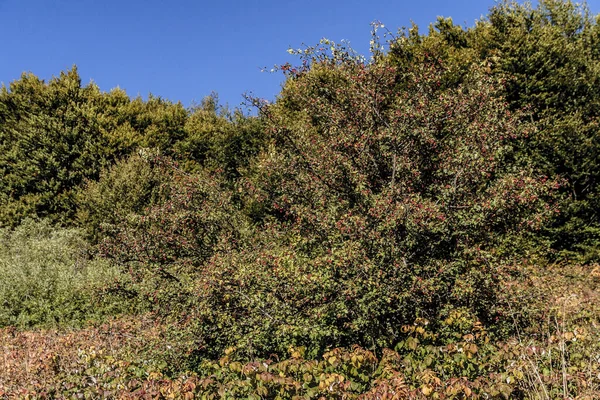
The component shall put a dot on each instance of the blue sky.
(183, 50)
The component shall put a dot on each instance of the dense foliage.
(126, 358)
(399, 226)
(47, 277)
(548, 57)
(57, 136)
(383, 198)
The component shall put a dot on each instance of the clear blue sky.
(184, 49)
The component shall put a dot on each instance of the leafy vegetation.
(419, 224)
(548, 59)
(48, 278)
(127, 358)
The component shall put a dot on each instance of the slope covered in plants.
(421, 223)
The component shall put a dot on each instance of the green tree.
(57, 135)
(166, 229)
(128, 187)
(50, 141)
(548, 59)
(220, 139)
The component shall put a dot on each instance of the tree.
(548, 56)
(50, 141)
(57, 135)
(220, 139)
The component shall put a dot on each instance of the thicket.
(548, 57)
(57, 137)
(48, 278)
(414, 201)
(383, 198)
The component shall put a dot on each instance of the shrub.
(383, 197)
(457, 358)
(220, 139)
(56, 135)
(164, 246)
(548, 55)
(48, 278)
(129, 186)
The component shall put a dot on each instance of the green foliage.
(129, 186)
(56, 135)
(548, 57)
(48, 278)
(551, 53)
(157, 122)
(382, 197)
(219, 139)
(390, 203)
(46, 146)
(458, 361)
(165, 246)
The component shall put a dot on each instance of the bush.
(548, 56)
(165, 246)
(220, 139)
(129, 186)
(56, 135)
(47, 277)
(455, 358)
(383, 197)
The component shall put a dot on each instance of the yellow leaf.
(427, 390)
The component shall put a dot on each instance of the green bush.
(548, 58)
(383, 197)
(129, 186)
(56, 135)
(220, 139)
(165, 246)
(47, 277)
